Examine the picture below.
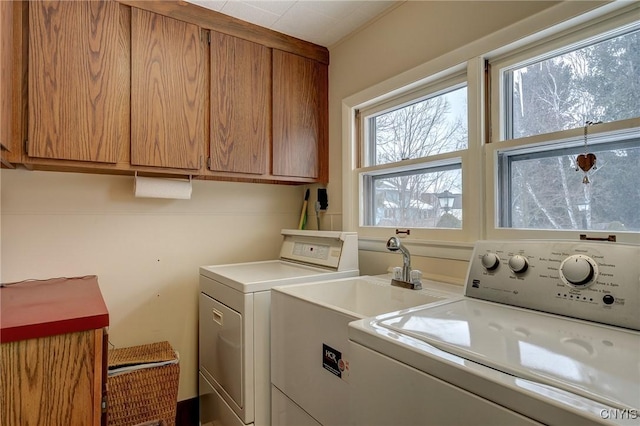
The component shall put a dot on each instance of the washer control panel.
(596, 281)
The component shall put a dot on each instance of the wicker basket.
(147, 393)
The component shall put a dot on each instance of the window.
(544, 191)
(424, 198)
(406, 182)
(596, 82)
(582, 99)
(435, 125)
(484, 141)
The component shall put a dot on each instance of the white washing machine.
(234, 353)
(310, 350)
(547, 333)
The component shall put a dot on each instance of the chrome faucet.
(408, 280)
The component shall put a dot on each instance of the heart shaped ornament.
(586, 161)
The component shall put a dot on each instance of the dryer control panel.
(596, 281)
(330, 249)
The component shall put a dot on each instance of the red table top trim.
(42, 308)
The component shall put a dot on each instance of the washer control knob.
(608, 299)
(577, 270)
(490, 261)
(518, 263)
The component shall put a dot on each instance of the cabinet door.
(54, 380)
(240, 105)
(77, 84)
(300, 109)
(167, 98)
(6, 74)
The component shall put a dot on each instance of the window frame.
(479, 163)
(575, 37)
(506, 159)
(368, 183)
(553, 46)
(438, 83)
(624, 129)
(431, 90)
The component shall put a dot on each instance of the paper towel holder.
(156, 187)
(135, 175)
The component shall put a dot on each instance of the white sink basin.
(310, 348)
(361, 297)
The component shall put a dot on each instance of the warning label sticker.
(332, 361)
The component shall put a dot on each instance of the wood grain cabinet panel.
(6, 73)
(77, 86)
(167, 92)
(123, 86)
(240, 134)
(52, 381)
(300, 110)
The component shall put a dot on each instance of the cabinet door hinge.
(209, 163)
(209, 37)
(26, 146)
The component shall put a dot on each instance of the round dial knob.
(490, 261)
(518, 263)
(577, 270)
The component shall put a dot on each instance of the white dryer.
(547, 334)
(234, 330)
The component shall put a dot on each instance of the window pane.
(548, 193)
(417, 199)
(600, 82)
(432, 126)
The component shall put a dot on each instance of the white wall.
(145, 252)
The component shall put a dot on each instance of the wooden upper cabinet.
(240, 135)
(78, 99)
(6, 74)
(300, 117)
(167, 92)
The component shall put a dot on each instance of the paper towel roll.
(145, 187)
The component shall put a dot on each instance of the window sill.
(424, 248)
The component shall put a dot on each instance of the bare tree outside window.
(600, 82)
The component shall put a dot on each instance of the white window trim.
(471, 220)
(479, 194)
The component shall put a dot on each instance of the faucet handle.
(416, 279)
(397, 273)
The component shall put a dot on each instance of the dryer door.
(221, 346)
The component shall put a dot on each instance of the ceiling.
(323, 22)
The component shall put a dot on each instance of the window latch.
(610, 238)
